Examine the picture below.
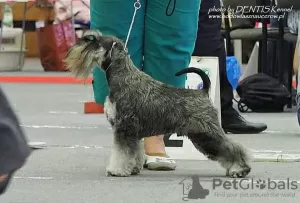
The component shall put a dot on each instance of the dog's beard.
(80, 60)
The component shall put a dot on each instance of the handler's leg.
(211, 43)
(114, 18)
(170, 40)
(169, 43)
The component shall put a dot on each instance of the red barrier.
(42, 79)
(23, 1)
(93, 108)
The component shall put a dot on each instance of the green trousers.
(160, 44)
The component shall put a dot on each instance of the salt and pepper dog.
(139, 106)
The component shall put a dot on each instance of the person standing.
(210, 42)
(161, 44)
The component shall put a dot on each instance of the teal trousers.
(160, 44)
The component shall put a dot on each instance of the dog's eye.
(90, 37)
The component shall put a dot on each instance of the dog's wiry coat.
(139, 106)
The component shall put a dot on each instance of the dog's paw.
(139, 165)
(237, 171)
(118, 172)
(136, 170)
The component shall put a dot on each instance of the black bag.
(262, 93)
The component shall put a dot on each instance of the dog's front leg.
(110, 111)
(123, 155)
(139, 158)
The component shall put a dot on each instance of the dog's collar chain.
(106, 64)
(107, 67)
(111, 49)
(108, 61)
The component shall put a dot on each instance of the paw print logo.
(261, 184)
(188, 187)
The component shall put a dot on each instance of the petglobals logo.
(251, 184)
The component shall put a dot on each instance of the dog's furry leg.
(218, 148)
(139, 158)
(110, 111)
(125, 148)
(120, 148)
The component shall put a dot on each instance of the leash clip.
(137, 4)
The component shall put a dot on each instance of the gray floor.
(71, 169)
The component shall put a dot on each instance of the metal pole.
(73, 22)
(23, 31)
(2, 25)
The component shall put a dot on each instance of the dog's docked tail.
(201, 73)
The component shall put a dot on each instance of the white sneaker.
(159, 163)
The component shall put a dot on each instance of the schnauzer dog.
(139, 106)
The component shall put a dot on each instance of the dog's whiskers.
(79, 61)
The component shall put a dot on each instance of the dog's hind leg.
(125, 147)
(219, 148)
(139, 159)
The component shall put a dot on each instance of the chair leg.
(281, 55)
(259, 57)
(264, 45)
(229, 50)
(271, 58)
(283, 59)
(274, 67)
(229, 46)
(297, 81)
(290, 73)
